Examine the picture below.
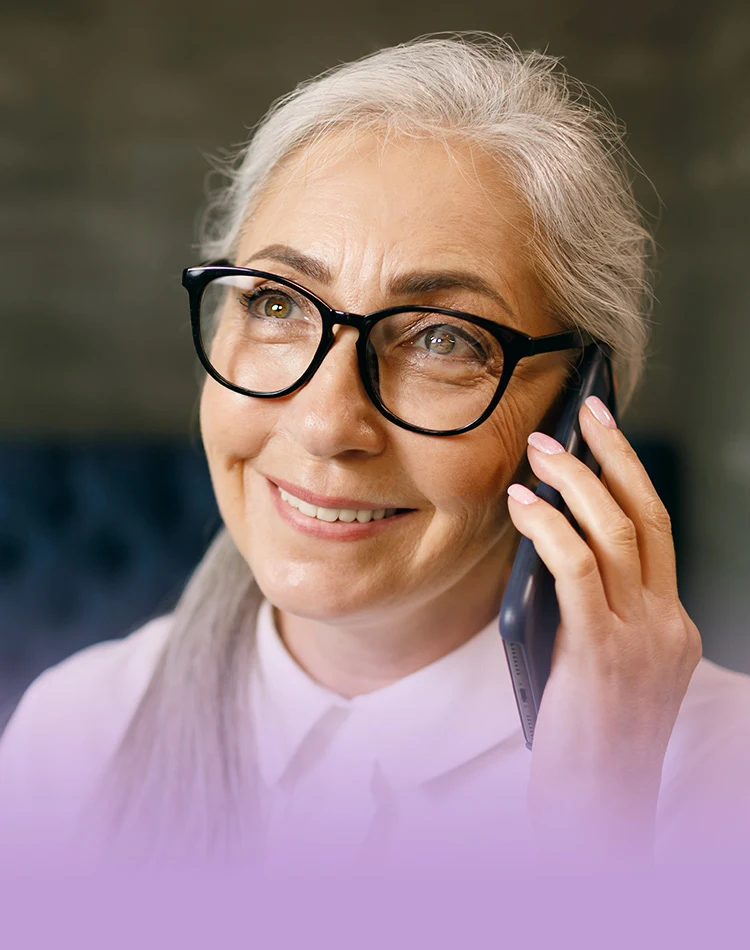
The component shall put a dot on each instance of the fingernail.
(545, 443)
(600, 412)
(521, 493)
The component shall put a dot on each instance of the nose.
(332, 415)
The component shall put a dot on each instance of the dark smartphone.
(529, 614)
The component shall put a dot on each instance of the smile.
(362, 515)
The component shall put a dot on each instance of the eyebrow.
(421, 282)
(303, 263)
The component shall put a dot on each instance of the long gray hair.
(185, 764)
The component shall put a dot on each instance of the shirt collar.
(422, 726)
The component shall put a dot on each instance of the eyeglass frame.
(515, 345)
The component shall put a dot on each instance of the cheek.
(468, 477)
(234, 429)
(233, 426)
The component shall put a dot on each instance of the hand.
(624, 654)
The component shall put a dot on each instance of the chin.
(320, 594)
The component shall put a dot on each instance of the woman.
(331, 689)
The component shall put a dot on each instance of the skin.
(360, 615)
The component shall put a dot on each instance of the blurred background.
(109, 113)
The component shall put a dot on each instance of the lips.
(325, 522)
(333, 502)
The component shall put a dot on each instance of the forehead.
(434, 195)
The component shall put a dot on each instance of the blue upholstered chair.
(95, 539)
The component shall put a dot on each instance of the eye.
(447, 340)
(266, 303)
(275, 305)
(440, 340)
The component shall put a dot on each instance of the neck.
(356, 657)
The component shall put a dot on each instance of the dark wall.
(110, 108)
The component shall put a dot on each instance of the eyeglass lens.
(430, 370)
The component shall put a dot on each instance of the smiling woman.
(410, 256)
(393, 214)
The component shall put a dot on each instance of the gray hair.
(184, 761)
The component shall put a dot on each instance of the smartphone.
(529, 613)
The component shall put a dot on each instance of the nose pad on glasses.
(373, 367)
(338, 365)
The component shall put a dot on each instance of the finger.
(632, 489)
(609, 532)
(572, 563)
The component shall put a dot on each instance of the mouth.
(339, 510)
(347, 515)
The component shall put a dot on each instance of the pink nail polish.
(522, 493)
(600, 412)
(545, 443)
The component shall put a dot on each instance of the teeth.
(363, 515)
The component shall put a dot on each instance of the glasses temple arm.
(553, 342)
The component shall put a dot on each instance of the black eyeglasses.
(426, 369)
